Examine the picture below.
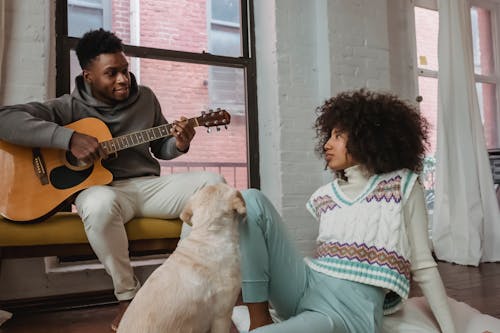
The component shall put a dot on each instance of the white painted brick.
(308, 231)
(26, 8)
(25, 58)
(346, 39)
(306, 248)
(370, 52)
(346, 69)
(296, 142)
(15, 94)
(368, 72)
(366, 42)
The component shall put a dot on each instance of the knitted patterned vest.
(364, 239)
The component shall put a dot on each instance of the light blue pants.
(307, 300)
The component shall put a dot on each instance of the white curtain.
(466, 225)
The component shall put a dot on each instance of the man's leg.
(165, 196)
(104, 211)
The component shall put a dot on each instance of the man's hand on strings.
(86, 148)
(183, 132)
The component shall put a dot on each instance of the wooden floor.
(476, 286)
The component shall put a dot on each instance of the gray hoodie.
(42, 125)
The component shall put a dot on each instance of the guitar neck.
(137, 138)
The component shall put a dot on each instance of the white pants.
(105, 210)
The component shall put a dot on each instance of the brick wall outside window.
(183, 88)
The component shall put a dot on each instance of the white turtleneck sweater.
(423, 267)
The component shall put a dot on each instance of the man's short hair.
(94, 43)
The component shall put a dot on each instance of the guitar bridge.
(39, 166)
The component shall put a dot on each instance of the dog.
(196, 288)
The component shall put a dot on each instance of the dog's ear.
(187, 213)
(239, 204)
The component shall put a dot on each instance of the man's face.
(109, 78)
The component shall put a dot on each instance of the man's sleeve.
(37, 124)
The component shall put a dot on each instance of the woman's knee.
(256, 200)
(253, 197)
(257, 206)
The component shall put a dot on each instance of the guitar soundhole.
(73, 161)
(64, 178)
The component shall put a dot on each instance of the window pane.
(185, 89)
(487, 97)
(83, 19)
(426, 28)
(226, 89)
(226, 10)
(482, 41)
(75, 68)
(166, 24)
(224, 40)
(428, 89)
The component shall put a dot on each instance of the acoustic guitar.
(36, 182)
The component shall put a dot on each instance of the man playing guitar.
(106, 90)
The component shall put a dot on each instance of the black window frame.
(247, 62)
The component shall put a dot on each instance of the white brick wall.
(359, 44)
(288, 44)
(315, 49)
(27, 52)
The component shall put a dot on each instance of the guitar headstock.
(213, 118)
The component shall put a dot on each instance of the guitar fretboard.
(140, 137)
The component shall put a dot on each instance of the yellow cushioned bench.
(63, 235)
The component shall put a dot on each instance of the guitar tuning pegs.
(218, 129)
(209, 130)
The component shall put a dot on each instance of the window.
(483, 15)
(88, 14)
(426, 32)
(196, 55)
(485, 19)
(224, 38)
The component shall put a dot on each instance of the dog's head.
(214, 206)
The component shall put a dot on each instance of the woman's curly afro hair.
(384, 133)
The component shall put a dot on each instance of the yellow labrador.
(195, 289)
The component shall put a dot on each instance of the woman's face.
(336, 155)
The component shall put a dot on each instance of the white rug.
(415, 317)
